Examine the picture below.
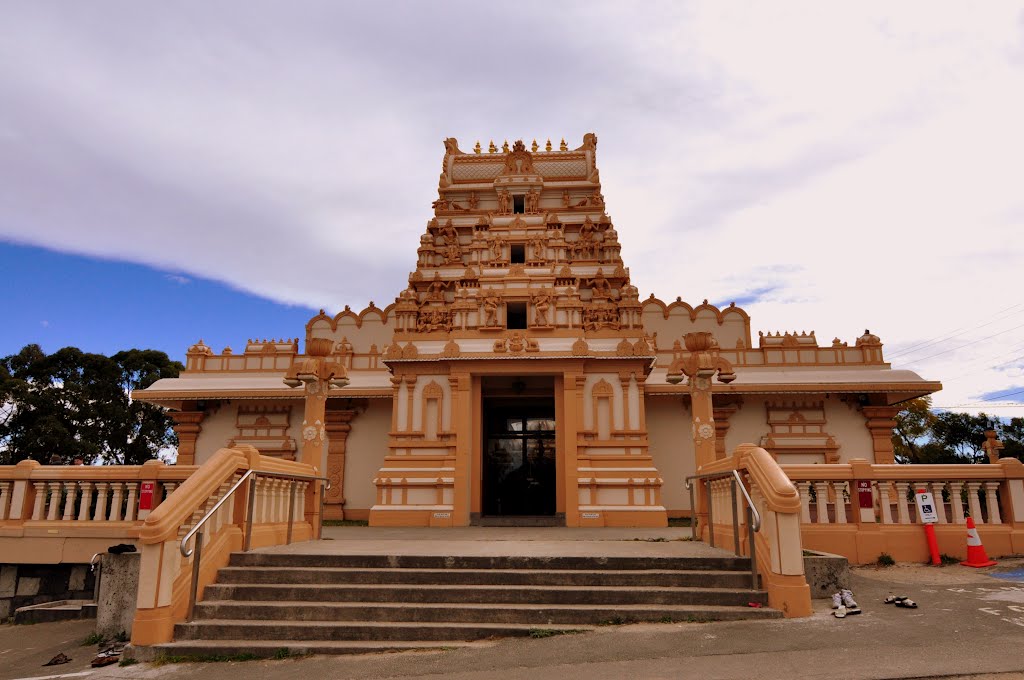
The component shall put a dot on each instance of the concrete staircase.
(263, 603)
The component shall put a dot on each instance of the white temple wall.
(747, 425)
(671, 447)
(848, 426)
(365, 450)
(218, 428)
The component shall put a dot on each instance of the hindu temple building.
(521, 377)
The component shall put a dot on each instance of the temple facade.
(520, 377)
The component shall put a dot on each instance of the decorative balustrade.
(56, 501)
(876, 502)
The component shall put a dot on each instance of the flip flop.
(906, 603)
(853, 610)
(840, 613)
(895, 599)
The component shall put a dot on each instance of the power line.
(972, 342)
(957, 333)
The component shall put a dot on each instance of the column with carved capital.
(187, 425)
(880, 421)
(338, 425)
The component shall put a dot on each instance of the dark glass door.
(519, 457)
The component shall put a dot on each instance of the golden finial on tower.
(547, 147)
(563, 146)
(477, 149)
(534, 146)
(504, 147)
(492, 148)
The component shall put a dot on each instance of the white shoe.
(837, 600)
(847, 597)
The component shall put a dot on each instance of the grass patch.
(886, 560)
(616, 621)
(946, 560)
(93, 639)
(346, 523)
(552, 632)
(127, 661)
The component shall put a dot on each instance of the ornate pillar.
(992, 446)
(317, 374)
(338, 425)
(700, 367)
(880, 421)
(187, 425)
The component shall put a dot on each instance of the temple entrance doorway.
(519, 456)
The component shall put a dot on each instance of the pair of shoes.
(843, 600)
(901, 601)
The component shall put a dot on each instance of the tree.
(74, 404)
(913, 423)
(921, 436)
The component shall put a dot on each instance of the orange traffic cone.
(976, 556)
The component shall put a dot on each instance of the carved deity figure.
(449, 234)
(538, 248)
(597, 199)
(533, 201)
(503, 202)
(566, 201)
(473, 200)
(497, 246)
(491, 302)
(437, 288)
(440, 204)
(599, 285)
(541, 305)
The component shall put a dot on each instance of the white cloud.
(858, 164)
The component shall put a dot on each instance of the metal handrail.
(250, 504)
(753, 516)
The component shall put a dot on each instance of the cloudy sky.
(220, 169)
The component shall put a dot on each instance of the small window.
(519, 205)
(515, 314)
(518, 253)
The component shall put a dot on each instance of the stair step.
(269, 559)
(540, 577)
(587, 614)
(227, 629)
(206, 649)
(368, 593)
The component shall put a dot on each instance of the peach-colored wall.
(668, 427)
(748, 424)
(367, 445)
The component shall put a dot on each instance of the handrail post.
(711, 515)
(753, 548)
(320, 519)
(248, 513)
(291, 511)
(735, 517)
(693, 514)
(198, 554)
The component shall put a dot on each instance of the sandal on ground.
(840, 613)
(906, 603)
(852, 610)
(895, 599)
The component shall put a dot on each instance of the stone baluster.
(280, 500)
(5, 495)
(116, 500)
(940, 506)
(53, 509)
(883, 501)
(974, 502)
(169, 488)
(300, 499)
(100, 515)
(85, 501)
(840, 489)
(992, 503)
(956, 502)
(40, 502)
(805, 501)
(901, 502)
(132, 505)
(821, 493)
(71, 491)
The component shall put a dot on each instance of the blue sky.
(106, 306)
(831, 166)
